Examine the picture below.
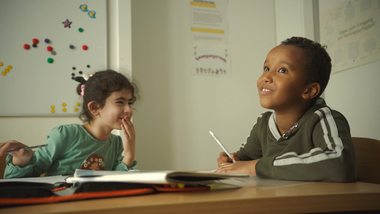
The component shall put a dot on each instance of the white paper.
(208, 21)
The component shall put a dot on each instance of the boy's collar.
(273, 124)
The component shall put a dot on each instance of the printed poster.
(208, 21)
(351, 32)
(210, 60)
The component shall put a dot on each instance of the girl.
(107, 104)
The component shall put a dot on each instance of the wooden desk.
(297, 198)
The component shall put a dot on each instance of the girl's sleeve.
(42, 158)
(119, 165)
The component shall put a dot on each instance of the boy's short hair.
(318, 61)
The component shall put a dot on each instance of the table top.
(295, 198)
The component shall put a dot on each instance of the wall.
(177, 108)
(33, 130)
(354, 92)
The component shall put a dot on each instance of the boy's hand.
(21, 157)
(239, 167)
(128, 135)
(223, 158)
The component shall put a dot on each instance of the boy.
(303, 139)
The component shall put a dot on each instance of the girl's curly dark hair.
(99, 87)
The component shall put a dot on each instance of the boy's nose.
(267, 77)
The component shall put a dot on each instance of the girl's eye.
(282, 70)
(266, 69)
(121, 102)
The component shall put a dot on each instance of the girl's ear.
(312, 90)
(92, 107)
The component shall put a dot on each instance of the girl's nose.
(128, 108)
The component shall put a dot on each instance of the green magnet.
(50, 60)
(80, 30)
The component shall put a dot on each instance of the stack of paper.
(151, 177)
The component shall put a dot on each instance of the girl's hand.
(128, 135)
(223, 158)
(239, 167)
(21, 157)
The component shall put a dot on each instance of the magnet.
(35, 41)
(80, 30)
(80, 72)
(10, 67)
(50, 60)
(78, 104)
(83, 7)
(3, 73)
(6, 70)
(71, 46)
(92, 14)
(88, 66)
(26, 46)
(34, 45)
(52, 111)
(64, 104)
(49, 48)
(53, 53)
(52, 107)
(76, 110)
(84, 47)
(1, 64)
(47, 41)
(74, 68)
(64, 109)
(67, 23)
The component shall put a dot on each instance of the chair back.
(2, 165)
(367, 159)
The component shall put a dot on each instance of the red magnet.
(49, 48)
(35, 41)
(84, 47)
(26, 46)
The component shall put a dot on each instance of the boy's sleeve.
(41, 159)
(332, 159)
(251, 149)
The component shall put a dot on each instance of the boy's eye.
(266, 69)
(283, 70)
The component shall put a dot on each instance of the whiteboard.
(32, 86)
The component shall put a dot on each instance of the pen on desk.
(221, 145)
(26, 148)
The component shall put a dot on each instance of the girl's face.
(118, 106)
(283, 80)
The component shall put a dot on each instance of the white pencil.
(221, 145)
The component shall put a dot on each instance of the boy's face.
(283, 80)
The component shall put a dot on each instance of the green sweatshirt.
(71, 147)
(319, 148)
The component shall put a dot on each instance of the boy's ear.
(92, 107)
(312, 90)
